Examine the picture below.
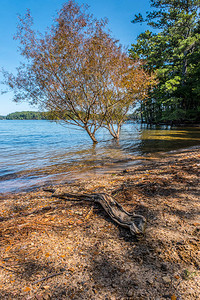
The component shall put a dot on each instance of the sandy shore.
(53, 249)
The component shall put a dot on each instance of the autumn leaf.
(79, 222)
(27, 289)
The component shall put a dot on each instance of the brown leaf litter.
(54, 249)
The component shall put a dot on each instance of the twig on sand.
(9, 269)
(89, 213)
(50, 276)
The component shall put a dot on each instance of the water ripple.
(33, 153)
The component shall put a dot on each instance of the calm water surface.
(34, 153)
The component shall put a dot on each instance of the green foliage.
(187, 275)
(173, 54)
(27, 115)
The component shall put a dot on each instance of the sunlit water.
(34, 153)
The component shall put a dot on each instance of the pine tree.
(172, 50)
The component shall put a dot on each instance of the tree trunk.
(113, 132)
(118, 130)
(91, 135)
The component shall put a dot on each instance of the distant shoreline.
(26, 115)
(38, 116)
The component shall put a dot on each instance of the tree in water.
(76, 71)
(131, 86)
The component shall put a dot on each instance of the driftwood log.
(136, 223)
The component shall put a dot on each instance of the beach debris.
(136, 223)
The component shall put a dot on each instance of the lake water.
(34, 153)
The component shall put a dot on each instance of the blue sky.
(119, 13)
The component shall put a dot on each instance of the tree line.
(82, 76)
(36, 115)
(172, 51)
(26, 115)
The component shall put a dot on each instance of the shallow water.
(33, 153)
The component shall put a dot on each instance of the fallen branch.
(136, 223)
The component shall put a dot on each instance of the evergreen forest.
(172, 52)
